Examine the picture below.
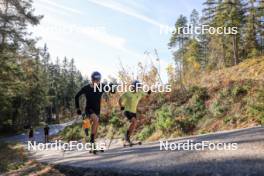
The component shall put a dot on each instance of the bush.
(164, 119)
(196, 110)
(230, 119)
(217, 108)
(186, 125)
(235, 90)
(115, 122)
(146, 132)
(256, 106)
(72, 132)
(199, 93)
(238, 90)
(224, 93)
(113, 126)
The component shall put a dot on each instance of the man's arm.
(121, 102)
(77, 104)
(145, 94)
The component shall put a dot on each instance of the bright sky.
(99, 34)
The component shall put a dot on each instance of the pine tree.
(209, 11)
(234, 11)
(179, 39)
(260, 29)
(224, 49)
(74, 84)
(17, 50)
(192, 58)
(15, 17)
(251, 29)
(194, 21)
(206, 40)
(44, 53)
(32, 87)
(11, 86)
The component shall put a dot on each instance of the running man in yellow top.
(128, 102)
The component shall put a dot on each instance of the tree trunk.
(235, 50)
(4, 27)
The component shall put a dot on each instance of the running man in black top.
(93, 101)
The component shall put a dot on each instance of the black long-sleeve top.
(93, 98)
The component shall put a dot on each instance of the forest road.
(38, 133)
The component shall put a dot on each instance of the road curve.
(147, 159)
(38, 133)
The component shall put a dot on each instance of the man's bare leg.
(131, 128)
(95, 124)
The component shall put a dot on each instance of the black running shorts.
(89, 112)
(130, 115)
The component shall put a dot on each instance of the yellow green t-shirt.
(130, 100)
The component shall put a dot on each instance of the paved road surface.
(147, 159)
(38, 133)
